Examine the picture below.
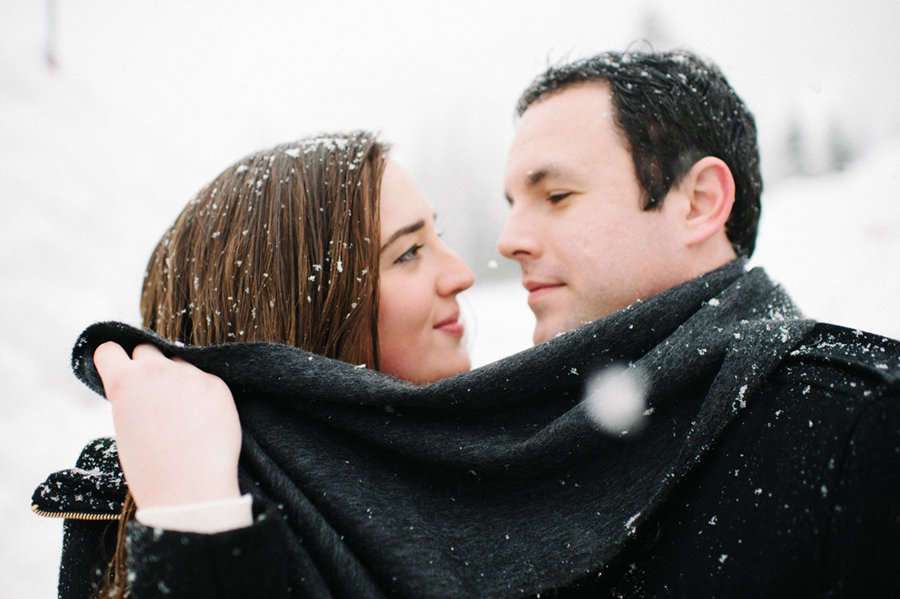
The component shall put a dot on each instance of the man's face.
(585, 245)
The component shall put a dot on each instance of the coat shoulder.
(851, 349)
(859, 365)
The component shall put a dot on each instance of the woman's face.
(419, 331)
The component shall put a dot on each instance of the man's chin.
(545, 331)
(547, 328)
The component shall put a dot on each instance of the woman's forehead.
(402, 202)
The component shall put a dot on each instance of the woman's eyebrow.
(403, 231)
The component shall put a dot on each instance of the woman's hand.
(177, 428)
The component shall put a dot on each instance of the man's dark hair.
(673, 109)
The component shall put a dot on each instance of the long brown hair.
(283, 246)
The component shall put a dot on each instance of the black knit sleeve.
(247, 562)
(86, 551)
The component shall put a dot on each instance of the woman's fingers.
(177, 427)
(145, 351)
(110, 360)
(116, 367)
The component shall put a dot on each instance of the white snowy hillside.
(834, 242)
(150, 100)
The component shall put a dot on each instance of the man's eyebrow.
(535, 176)
(403, 231)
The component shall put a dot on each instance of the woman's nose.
(457, 276)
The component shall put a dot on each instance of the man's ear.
(709, 187)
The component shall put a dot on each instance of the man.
(630, 174)
(764, 463)
(591, 237)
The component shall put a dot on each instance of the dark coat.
(800, 496)
(766, 466)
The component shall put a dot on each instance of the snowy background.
(148, 101)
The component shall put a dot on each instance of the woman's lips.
(451, 326)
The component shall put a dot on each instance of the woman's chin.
(451, 365)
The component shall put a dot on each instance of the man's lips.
(538, 289)
(451, 326)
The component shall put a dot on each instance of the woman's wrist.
(180, 493)
(208, 517)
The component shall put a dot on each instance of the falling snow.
(112, 175)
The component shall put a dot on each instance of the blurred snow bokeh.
(151, 100)
(616, 400)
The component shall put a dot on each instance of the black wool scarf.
(495, 482)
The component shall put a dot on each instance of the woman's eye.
(559, 196)
(409, 254)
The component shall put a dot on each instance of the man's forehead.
(542, 160)
(559, 129)
(565, 116)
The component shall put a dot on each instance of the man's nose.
(519, 239)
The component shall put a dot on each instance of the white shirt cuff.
(209, 517)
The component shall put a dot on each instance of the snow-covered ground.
(87, 187)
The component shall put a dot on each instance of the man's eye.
(409, 254)
(559, 196)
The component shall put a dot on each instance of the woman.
(325, 244)
(282, 247)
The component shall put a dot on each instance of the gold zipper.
(72, 515)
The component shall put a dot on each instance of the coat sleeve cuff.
(246, 562)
